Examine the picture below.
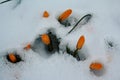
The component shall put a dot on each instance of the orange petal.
(27, 47)
(65, 15)
(12, 57)
(45, 14)
(45, 39)
(96, 66)
(80, 42)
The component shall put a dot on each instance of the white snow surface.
(21, 24)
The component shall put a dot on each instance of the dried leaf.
(96, 66)
(45, 39)
(65, 15)
(45, 14)
(80, 42)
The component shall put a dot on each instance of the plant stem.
(75, 52)
(88, 15)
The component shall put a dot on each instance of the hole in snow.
(69, 21)
(110, 43)
(52, 47)
(13, 57)
(98, 73)
(80, 56)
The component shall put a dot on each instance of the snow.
(24, 23)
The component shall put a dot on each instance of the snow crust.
(23, 23)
